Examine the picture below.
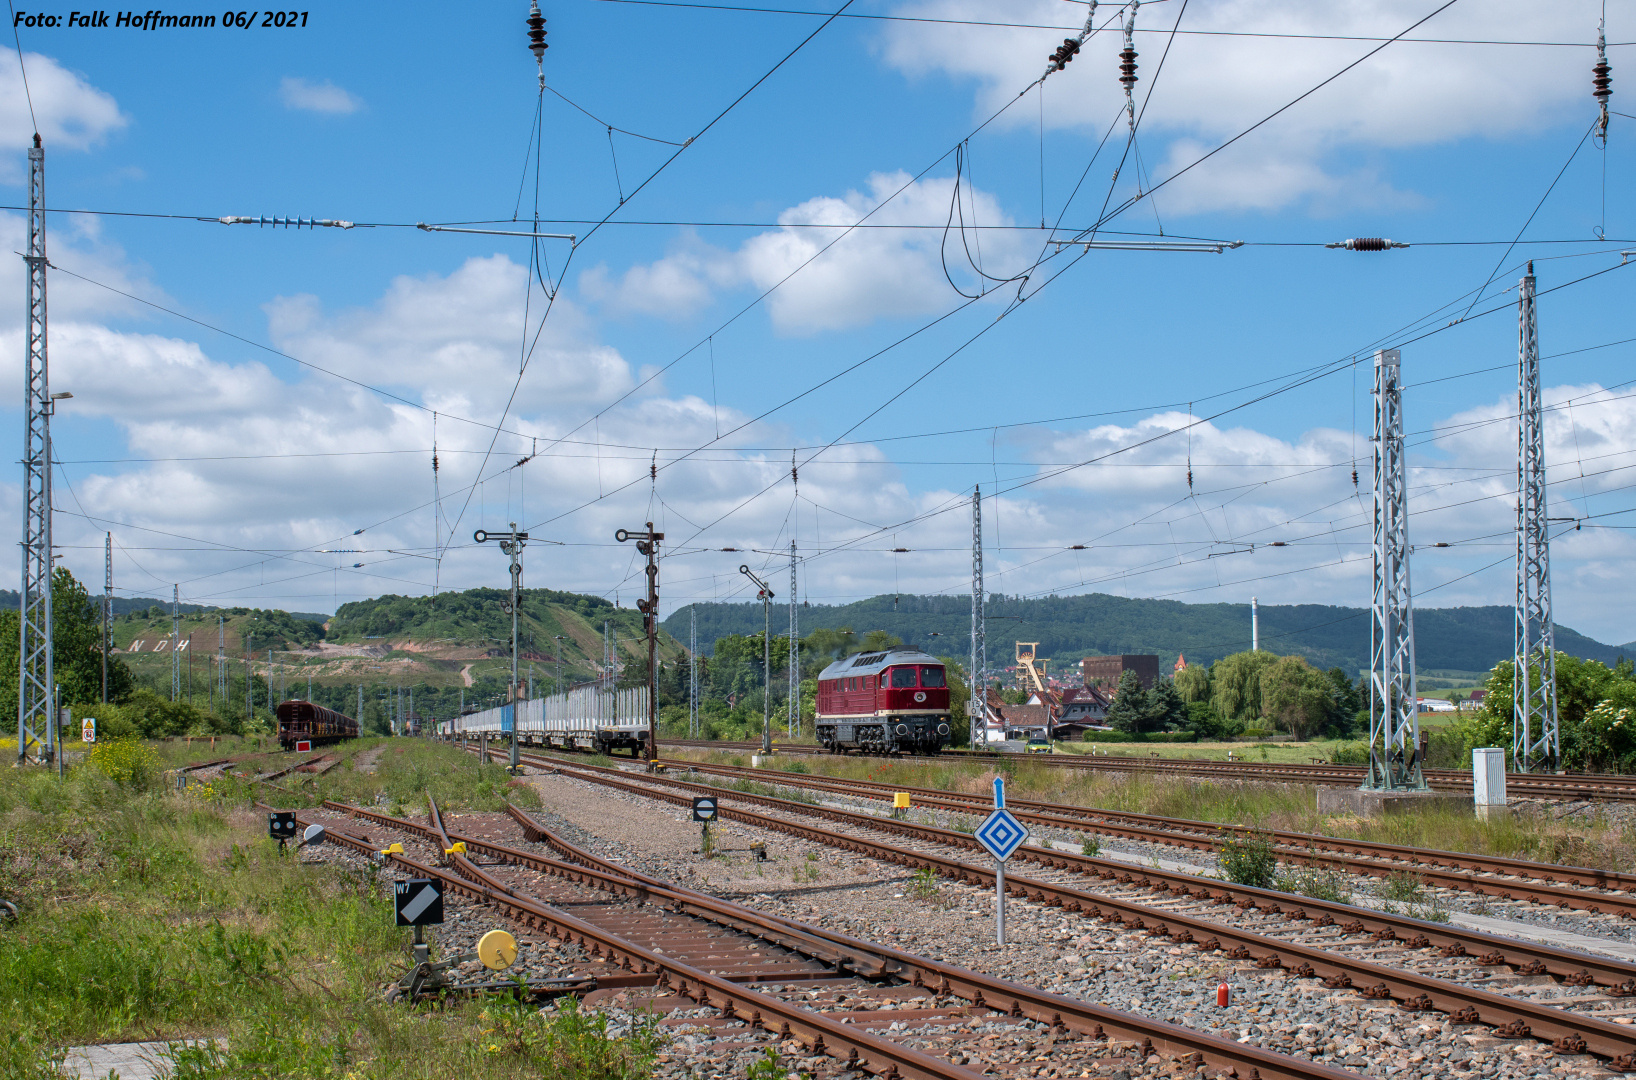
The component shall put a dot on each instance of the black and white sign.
(281, 825)
(419, 902)
(704, 809)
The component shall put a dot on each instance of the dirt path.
(366, 760)
(465, 673)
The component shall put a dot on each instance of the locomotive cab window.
(903, 678)
(931, 676)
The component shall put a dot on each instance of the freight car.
(584, 718)
(894, 702)
(302, 721)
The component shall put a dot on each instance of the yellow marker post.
(458, 849)
(900, 803)
(497, 950)
(395, 849)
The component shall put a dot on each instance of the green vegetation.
(1596, 706)
(1248, 860)
(1315, 881)
(153, 913)
(1136, 711)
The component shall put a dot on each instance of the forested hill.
(1468, 639)
(478, 617)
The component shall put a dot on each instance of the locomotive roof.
(872, 663)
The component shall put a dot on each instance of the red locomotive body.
(884, 703)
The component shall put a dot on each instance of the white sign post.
(1001, 835)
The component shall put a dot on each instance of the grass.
(1282, 753)
(151, 913)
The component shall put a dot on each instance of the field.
(148, 914)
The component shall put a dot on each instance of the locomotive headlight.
(942, 729)
(903, 729)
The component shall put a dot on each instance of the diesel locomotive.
(894, 702)
(302, 721)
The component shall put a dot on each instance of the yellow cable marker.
(497, 950)
(395, 849)
(458, 849)
(900, 800)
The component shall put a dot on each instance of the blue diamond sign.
(1001, 834)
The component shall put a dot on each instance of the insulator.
(1127, 67)
(1602, 82)
(434, 463)
(1189, 478)
(536, 33)
(1354, 478)
(1065, 52)
(1367, 243)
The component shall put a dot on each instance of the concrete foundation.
(1362, 802)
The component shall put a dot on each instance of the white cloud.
(324, 97)
(451, 340)
(1212, 87)
(888, 269)
(70, 112)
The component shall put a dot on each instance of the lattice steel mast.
(1536, 738)
(107, 608)
(1394, 719)
(795, 653)
(978, 675)
(175, 637)
(36, 674)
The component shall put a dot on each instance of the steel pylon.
(36, 675)
(1536, 738)
(1394, 717)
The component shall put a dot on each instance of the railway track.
(889, 1012)
(1454, 781)
(1582, 888)
(1321, 951)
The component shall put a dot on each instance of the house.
(1181, 662)
(1027, 719)
(1080, 709)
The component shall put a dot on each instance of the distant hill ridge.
(124, 605)
(1465, 639)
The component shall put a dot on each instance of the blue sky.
(668, 326)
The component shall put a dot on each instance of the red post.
(1224, 996)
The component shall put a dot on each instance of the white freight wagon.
(581, 719)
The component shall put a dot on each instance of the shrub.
(1316, 882)
(1249, 860)
(126, 762)
(1353, 753)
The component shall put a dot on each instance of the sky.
(837, 242)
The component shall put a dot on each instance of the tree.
(1193, 683)
(77, 645)
(1296, 696)
(1165, 707)
(1137, 711)
(1236, 684)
